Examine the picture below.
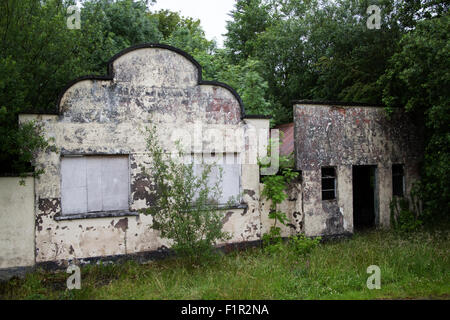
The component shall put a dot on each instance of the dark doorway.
(364, 181)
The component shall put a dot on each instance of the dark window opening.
(398, 180)
(328, 183)
(364, 182)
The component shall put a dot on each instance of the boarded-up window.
(94, 183)
(231, 173)
(328, 183)
(398, 180)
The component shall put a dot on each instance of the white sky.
(213, 14)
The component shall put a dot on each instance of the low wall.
(16, 222)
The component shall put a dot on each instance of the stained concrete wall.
(16, 222)
(108, 116)
(344, 136)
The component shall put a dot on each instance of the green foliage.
(30, 137)
(275, 185)
(275, 52)
(39, 55)
(302, 245)
(299, 245)
(418, 78)
(19, 147)
(250, 18)
(415, 267)
(36, 54)
(109, 26)
(272, 241)
(406, 214)
(321, 50)
(168, 22)
(36, 59)
(185, 207)
(246, 78)
(275, 191)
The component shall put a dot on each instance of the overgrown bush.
(406, 213)
(20, 145)
(297, 245)
(301, 245)
(275, 191)
(272, 240)
(417, 80)
(185, 205)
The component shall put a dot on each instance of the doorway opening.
(364, 197)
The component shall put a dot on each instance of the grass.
(414, 266)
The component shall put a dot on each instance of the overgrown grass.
(414, 266)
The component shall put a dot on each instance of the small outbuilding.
(354, 158)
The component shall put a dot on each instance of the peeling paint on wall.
(108, 115)
(346, 136)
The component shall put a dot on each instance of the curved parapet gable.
(155, 67)
(99, 133)
(149, 78)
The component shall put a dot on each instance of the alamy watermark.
(74, 19)
(374, 280)
(374, 20)
(74, 280)
(216, 144)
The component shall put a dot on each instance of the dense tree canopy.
(36, 60)
(418, 79)
(275, 51)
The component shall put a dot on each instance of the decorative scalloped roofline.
(110, 75)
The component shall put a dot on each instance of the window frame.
(329, 177)
(237, 156)
(102, 213)
(395, 175)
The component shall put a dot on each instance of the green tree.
(249, 83)
(109, 26)
(39, 55)
(321, 50)
(249, 19)
(36, 60)
(186, 34)
(169, 22)
(418, 78)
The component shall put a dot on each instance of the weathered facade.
(100, 118)
(352, 159)
(347, 154)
